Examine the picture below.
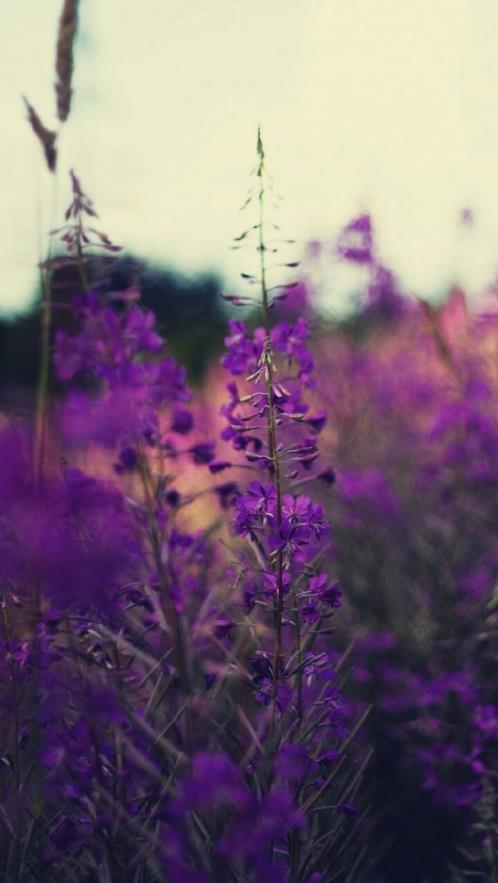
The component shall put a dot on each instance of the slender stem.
(44, 365)
(17, 750)
(272, 435)
(43, 376)
(46, 323)
(119, 782)
(81, 256)
(172, 616)
(299, 653)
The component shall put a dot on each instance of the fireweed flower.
(75, 533)
(356, 240)
(121, 352)
(412, 537)
(182, 729)
(272, 425)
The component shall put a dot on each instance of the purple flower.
(317, 421)
(227, 494)
(127, 460)
(182, 421)
(355, 242)
(254, 508)
(218, 466)
(214, 780)
(202, 453)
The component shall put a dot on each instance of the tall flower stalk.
(267, 364)
(66, 36)
(284, 587)
(154, 705)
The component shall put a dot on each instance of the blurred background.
(388, 108)
(380, 124)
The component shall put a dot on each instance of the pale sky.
(385, 105)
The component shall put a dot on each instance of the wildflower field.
(248, 601)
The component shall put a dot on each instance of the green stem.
(44, 365)
(172, 617)
(272, 435)
(17, 752)
(43, 377)
(299, 652)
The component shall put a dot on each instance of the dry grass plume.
(46, 137)
(68, 24)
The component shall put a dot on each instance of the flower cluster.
(249, 355)
(278, 571)
(415, 448)
(121, 352)
(160, 724)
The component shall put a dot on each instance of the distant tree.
(189, 311)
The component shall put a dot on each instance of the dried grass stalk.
(68, 24)
(46, 137)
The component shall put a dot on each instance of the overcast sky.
(390, 106)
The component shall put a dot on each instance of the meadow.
(248, 622)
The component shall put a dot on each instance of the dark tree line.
(189, 311)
